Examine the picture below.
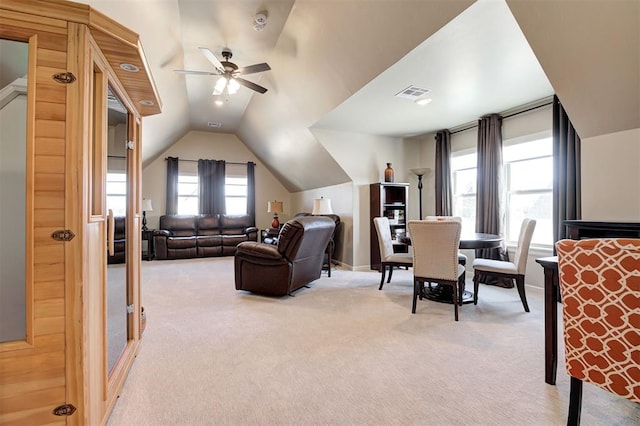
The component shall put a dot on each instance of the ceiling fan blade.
(212, 58)
(250, 85)
(195, 72)
(251, 69)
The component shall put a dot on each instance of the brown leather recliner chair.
(296, 260)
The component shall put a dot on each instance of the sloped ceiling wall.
(326, 52)
(590, 51)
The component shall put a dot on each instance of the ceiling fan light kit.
(229, 73)
(260, 21)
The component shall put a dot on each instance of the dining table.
(468, 241)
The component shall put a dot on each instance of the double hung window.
(528, 180)
(235, 191)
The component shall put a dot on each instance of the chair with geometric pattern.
(600, 286)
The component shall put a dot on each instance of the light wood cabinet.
(74, 55)
(390, 200)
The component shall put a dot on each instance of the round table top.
(468, 240)
(479, 240)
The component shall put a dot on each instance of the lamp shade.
(421, 171)
(322, 206)
(146, 205)
(274, 206)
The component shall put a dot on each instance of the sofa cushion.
(233, 240)
(234, 224)
(209, 240)
(179, 225)
(181, 242)
(208, 225)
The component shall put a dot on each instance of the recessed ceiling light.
(129, 67)
(423, 101)
(147, 102)
(218, 102)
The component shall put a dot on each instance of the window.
(117, 193)
(188, 194)
(528, 180)
(528, 169)
(464, 188)
(235, 192)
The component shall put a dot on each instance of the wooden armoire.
(88, 87)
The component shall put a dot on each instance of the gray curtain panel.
(444, 189)
(211, 183)
(566, 171)
(171, 206)
(251, 191)
(206, 186)
(220, 203)
(489, 209)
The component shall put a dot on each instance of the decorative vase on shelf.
(388, 173)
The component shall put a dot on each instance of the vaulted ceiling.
(338, 64)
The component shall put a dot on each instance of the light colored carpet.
(341, 353)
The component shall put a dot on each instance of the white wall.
(364, 157)
(219, 146)
(611, 177)
(13, 154)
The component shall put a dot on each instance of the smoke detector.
(260, 21)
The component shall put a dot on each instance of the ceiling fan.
(229, 73)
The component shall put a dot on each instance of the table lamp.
(275, 207)
(322, 206)
(146, 207)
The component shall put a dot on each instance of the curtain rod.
(226, 162)
(471, 126)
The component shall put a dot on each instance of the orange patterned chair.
(600, 285)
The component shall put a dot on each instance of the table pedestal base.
(444, 294)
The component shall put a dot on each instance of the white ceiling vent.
(412, 92)
(214, 125)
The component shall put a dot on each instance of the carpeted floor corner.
(341, 353)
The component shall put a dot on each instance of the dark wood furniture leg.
(550, 265)
(575, 402)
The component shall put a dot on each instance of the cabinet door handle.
(111, 233)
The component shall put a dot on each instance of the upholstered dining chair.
(600, 286)
(504, 269)
(462, 258)
(435, 257)
(388, 259)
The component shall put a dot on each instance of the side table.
(270, 235)
(150, 252)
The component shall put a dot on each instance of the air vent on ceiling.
(214, 125)
(412, 92)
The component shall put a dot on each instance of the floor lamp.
(420, 172)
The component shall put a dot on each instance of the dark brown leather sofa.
(188, 236)
(119, 240)
(295, 261)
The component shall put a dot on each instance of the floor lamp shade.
(322, 206)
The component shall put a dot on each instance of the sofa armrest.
(162, 232)
(250, 229)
